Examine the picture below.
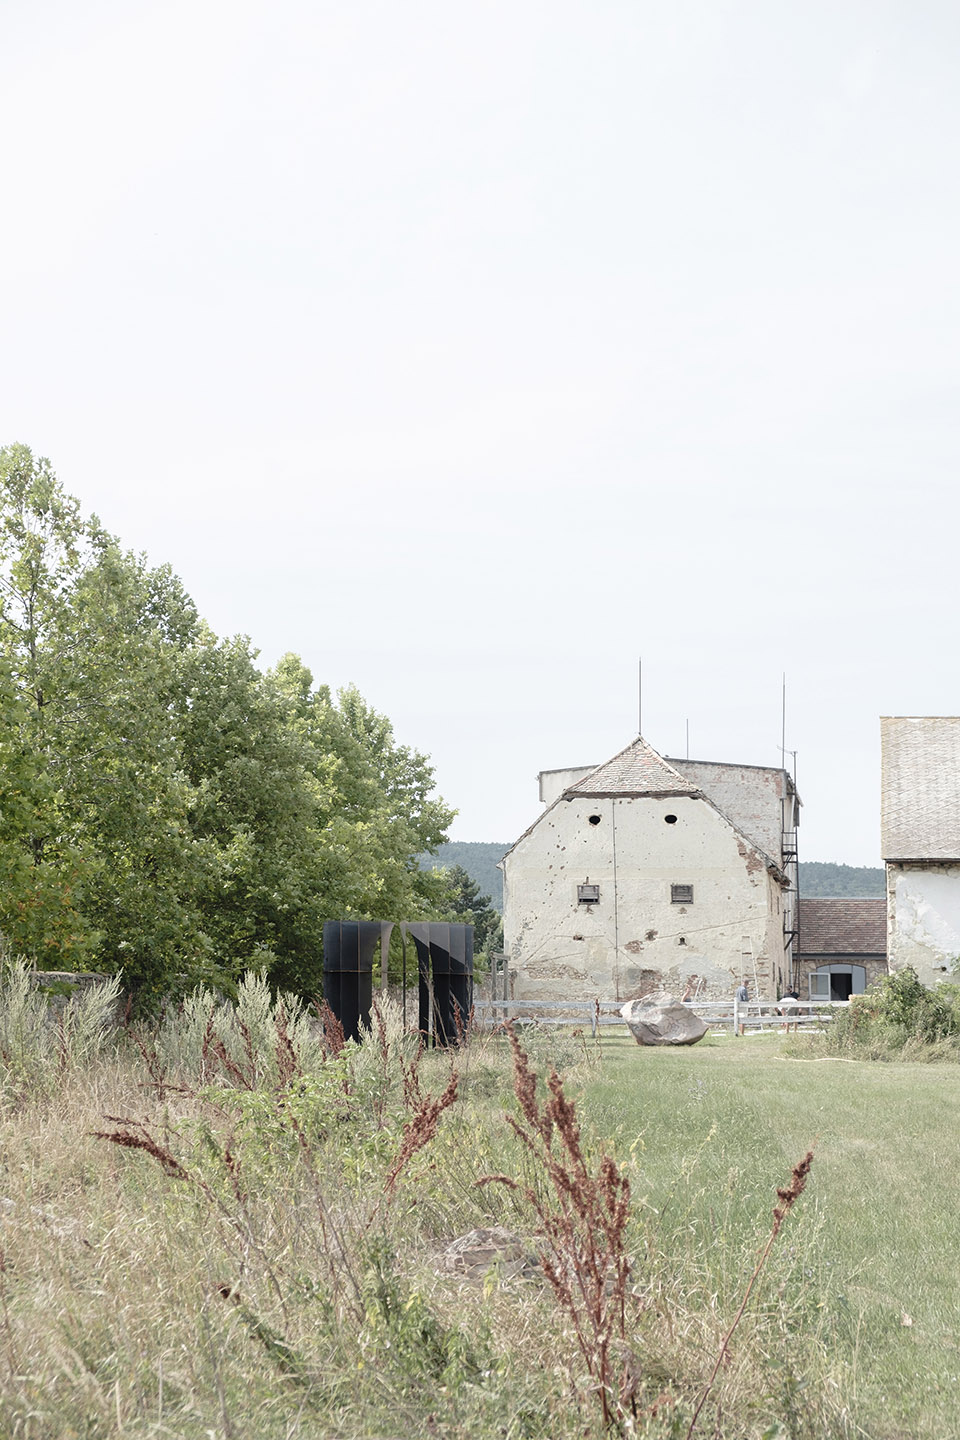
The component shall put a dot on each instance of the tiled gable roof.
(920, 790)
(637, 770)
(843, 926)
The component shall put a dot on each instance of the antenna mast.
(784, 752)
(640, 695)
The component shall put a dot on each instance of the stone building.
(842, 947)
(645, 871)
(920, 840)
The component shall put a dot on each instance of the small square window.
(681, 894)
(588, 894)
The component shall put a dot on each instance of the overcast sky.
(472, 349)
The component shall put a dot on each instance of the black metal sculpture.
(444, 970)
(348, 950)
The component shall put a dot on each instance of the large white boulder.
(662, 1019)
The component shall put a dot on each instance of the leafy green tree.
(404, 816)
(479, 858)
(471, 908)
(170, 811)
(254, 815)
(38, 912)
(90, 638)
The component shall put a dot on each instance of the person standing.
(742, 997)
(788, 1009)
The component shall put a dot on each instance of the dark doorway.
(837, 982)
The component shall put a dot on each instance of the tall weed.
(260, 1034)
(43, 1040)
(582, 1212)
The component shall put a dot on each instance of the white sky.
(473, 349)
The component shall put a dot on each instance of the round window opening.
(670, 819)
(594, 819)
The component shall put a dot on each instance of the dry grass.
(258, 1256)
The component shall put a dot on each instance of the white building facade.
(636, 878)
(920, 840)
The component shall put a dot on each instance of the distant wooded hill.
(817, 877)
(822, 877)
(479, 859)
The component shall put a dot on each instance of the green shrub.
(899, 1018)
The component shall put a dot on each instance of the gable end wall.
(635, 939)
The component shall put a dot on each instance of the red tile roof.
(843, 927)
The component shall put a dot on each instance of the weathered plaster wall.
(634, 939)
(750, 795)
(762, 802)
(923, 917)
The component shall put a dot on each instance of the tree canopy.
(170, 810)
(470, 907)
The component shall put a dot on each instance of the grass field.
(254, 1275)
(881, 1208)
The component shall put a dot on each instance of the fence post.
(736, 1015)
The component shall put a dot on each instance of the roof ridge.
(637, 769)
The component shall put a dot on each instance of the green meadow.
(879, 1222)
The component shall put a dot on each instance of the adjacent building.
(843, 947)
(920, 839)
(646, 871)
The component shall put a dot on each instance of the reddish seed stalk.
(333, 1037)
(168, 1162)
(420, 1130)
(288, 1065)
(412, 1092)
(585, 1261)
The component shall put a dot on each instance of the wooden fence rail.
(751, 1014)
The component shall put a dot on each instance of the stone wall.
(873, 965)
